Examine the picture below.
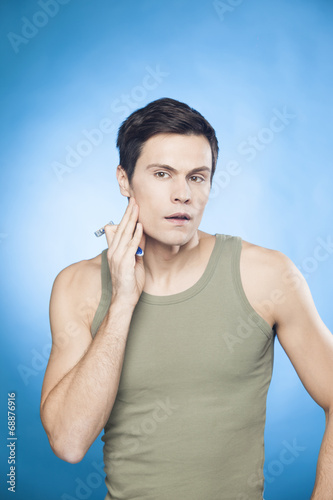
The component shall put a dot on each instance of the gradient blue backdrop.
(91, 63)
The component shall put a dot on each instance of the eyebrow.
(167, 167)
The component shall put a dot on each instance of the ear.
(123, 181)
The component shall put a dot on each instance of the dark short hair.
(162, 116)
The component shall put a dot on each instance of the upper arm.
(70, 328)
(302, 333)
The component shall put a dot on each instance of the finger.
(142, 240)
(123, 223)
(125, 233)
(111, 228)
(110, 231)
(132, 247)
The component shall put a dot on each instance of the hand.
(126, 269)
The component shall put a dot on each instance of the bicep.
(306, 339)
(71, 334)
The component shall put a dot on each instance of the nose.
(181, 191)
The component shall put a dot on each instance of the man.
(174, 358)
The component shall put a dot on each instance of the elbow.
(65, 450)
(62, 446)
(67, 454)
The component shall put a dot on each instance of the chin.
(173, 236)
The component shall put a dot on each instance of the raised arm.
(82, 376)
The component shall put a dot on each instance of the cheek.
(147, 198)
(149, 224)
(146, 216)
(202, 199)
(145, 193)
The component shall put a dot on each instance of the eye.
(200, 179)
(161, 177)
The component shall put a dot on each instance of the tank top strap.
(105, 300)
(227, 283)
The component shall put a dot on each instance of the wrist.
(121, 305)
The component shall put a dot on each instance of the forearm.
(323, 489)
(78, 407)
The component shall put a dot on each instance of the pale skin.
(83, 373)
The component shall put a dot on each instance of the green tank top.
(189, 416)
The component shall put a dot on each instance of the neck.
(164, 262)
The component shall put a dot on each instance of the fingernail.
(139, 252)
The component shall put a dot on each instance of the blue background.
(89, 61)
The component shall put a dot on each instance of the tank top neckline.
(192, 290)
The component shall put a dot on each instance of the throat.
(185, 276)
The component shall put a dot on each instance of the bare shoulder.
(270, 259)
(267, 275)
(80, 273)
(80, 284)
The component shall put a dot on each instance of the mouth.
(178, 219)
(179, 215)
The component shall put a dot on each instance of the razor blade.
(101, 231)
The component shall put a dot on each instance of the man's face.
(172, 175)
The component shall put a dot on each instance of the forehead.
(176, 148)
